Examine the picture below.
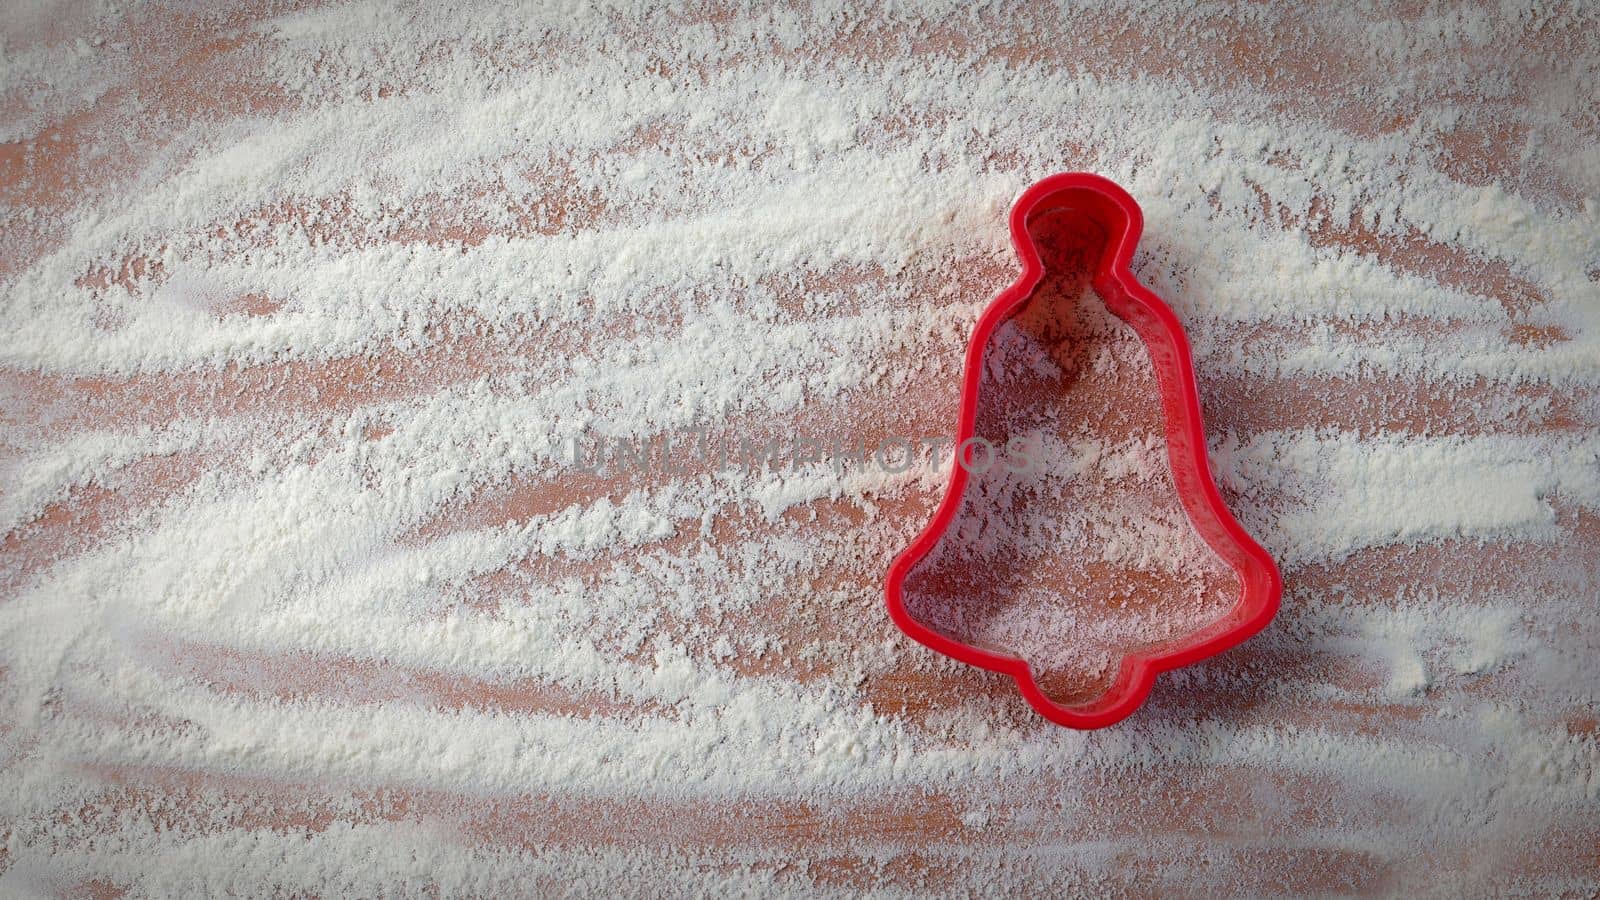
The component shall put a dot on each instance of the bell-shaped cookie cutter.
(1100, 203)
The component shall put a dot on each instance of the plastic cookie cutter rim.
(1111, 208)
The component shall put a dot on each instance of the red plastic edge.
(1261, 586)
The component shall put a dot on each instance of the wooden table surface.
(150, 750)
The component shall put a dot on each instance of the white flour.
(294, 599)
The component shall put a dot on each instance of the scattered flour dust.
(295, 599)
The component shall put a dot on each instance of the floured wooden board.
(344, 552)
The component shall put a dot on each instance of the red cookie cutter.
(1109, 207)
